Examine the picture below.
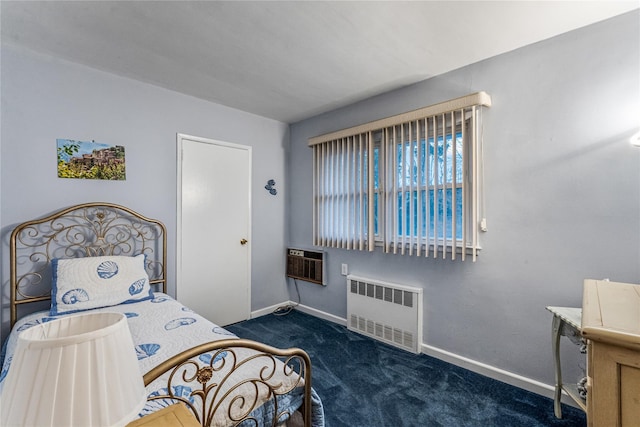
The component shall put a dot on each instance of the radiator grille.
(389, 312)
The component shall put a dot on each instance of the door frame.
(179, 144)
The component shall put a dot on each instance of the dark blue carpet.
(363, 382)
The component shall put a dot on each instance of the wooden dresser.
(611, 324)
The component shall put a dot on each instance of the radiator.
(388, 312)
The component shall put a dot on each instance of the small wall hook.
(269, 187)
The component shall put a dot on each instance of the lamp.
(79, 370)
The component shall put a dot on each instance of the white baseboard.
(507, 377)
(267, 310)
(516, 380)
(322, 315)
(303, 308)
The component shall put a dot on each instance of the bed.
(183, 357)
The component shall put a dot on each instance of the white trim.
(322, 315)
(492, 372)
(501, 375)
(268, 310)
(303, 308)
(178, 213)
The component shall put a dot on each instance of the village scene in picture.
(90, 160)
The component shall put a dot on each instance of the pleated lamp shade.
(80, 370)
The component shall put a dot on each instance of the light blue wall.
(563, 184)
(45, 98)
(562, 195)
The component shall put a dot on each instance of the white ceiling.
(288, 60)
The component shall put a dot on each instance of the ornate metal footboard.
(235, 381)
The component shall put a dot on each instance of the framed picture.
(90, 160)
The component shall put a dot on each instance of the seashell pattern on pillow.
(102, 281)
(137, 286)
(74, 296)
(107, 269)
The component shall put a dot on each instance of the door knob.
(243, 242)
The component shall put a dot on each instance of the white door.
(214, 218)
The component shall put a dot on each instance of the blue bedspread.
(161, 328)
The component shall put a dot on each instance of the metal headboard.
(88, 229)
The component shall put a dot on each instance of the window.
(409, 183)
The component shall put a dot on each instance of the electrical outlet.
(345, 269)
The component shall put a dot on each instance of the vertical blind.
(410, 183)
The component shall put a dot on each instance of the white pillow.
(93, 282)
